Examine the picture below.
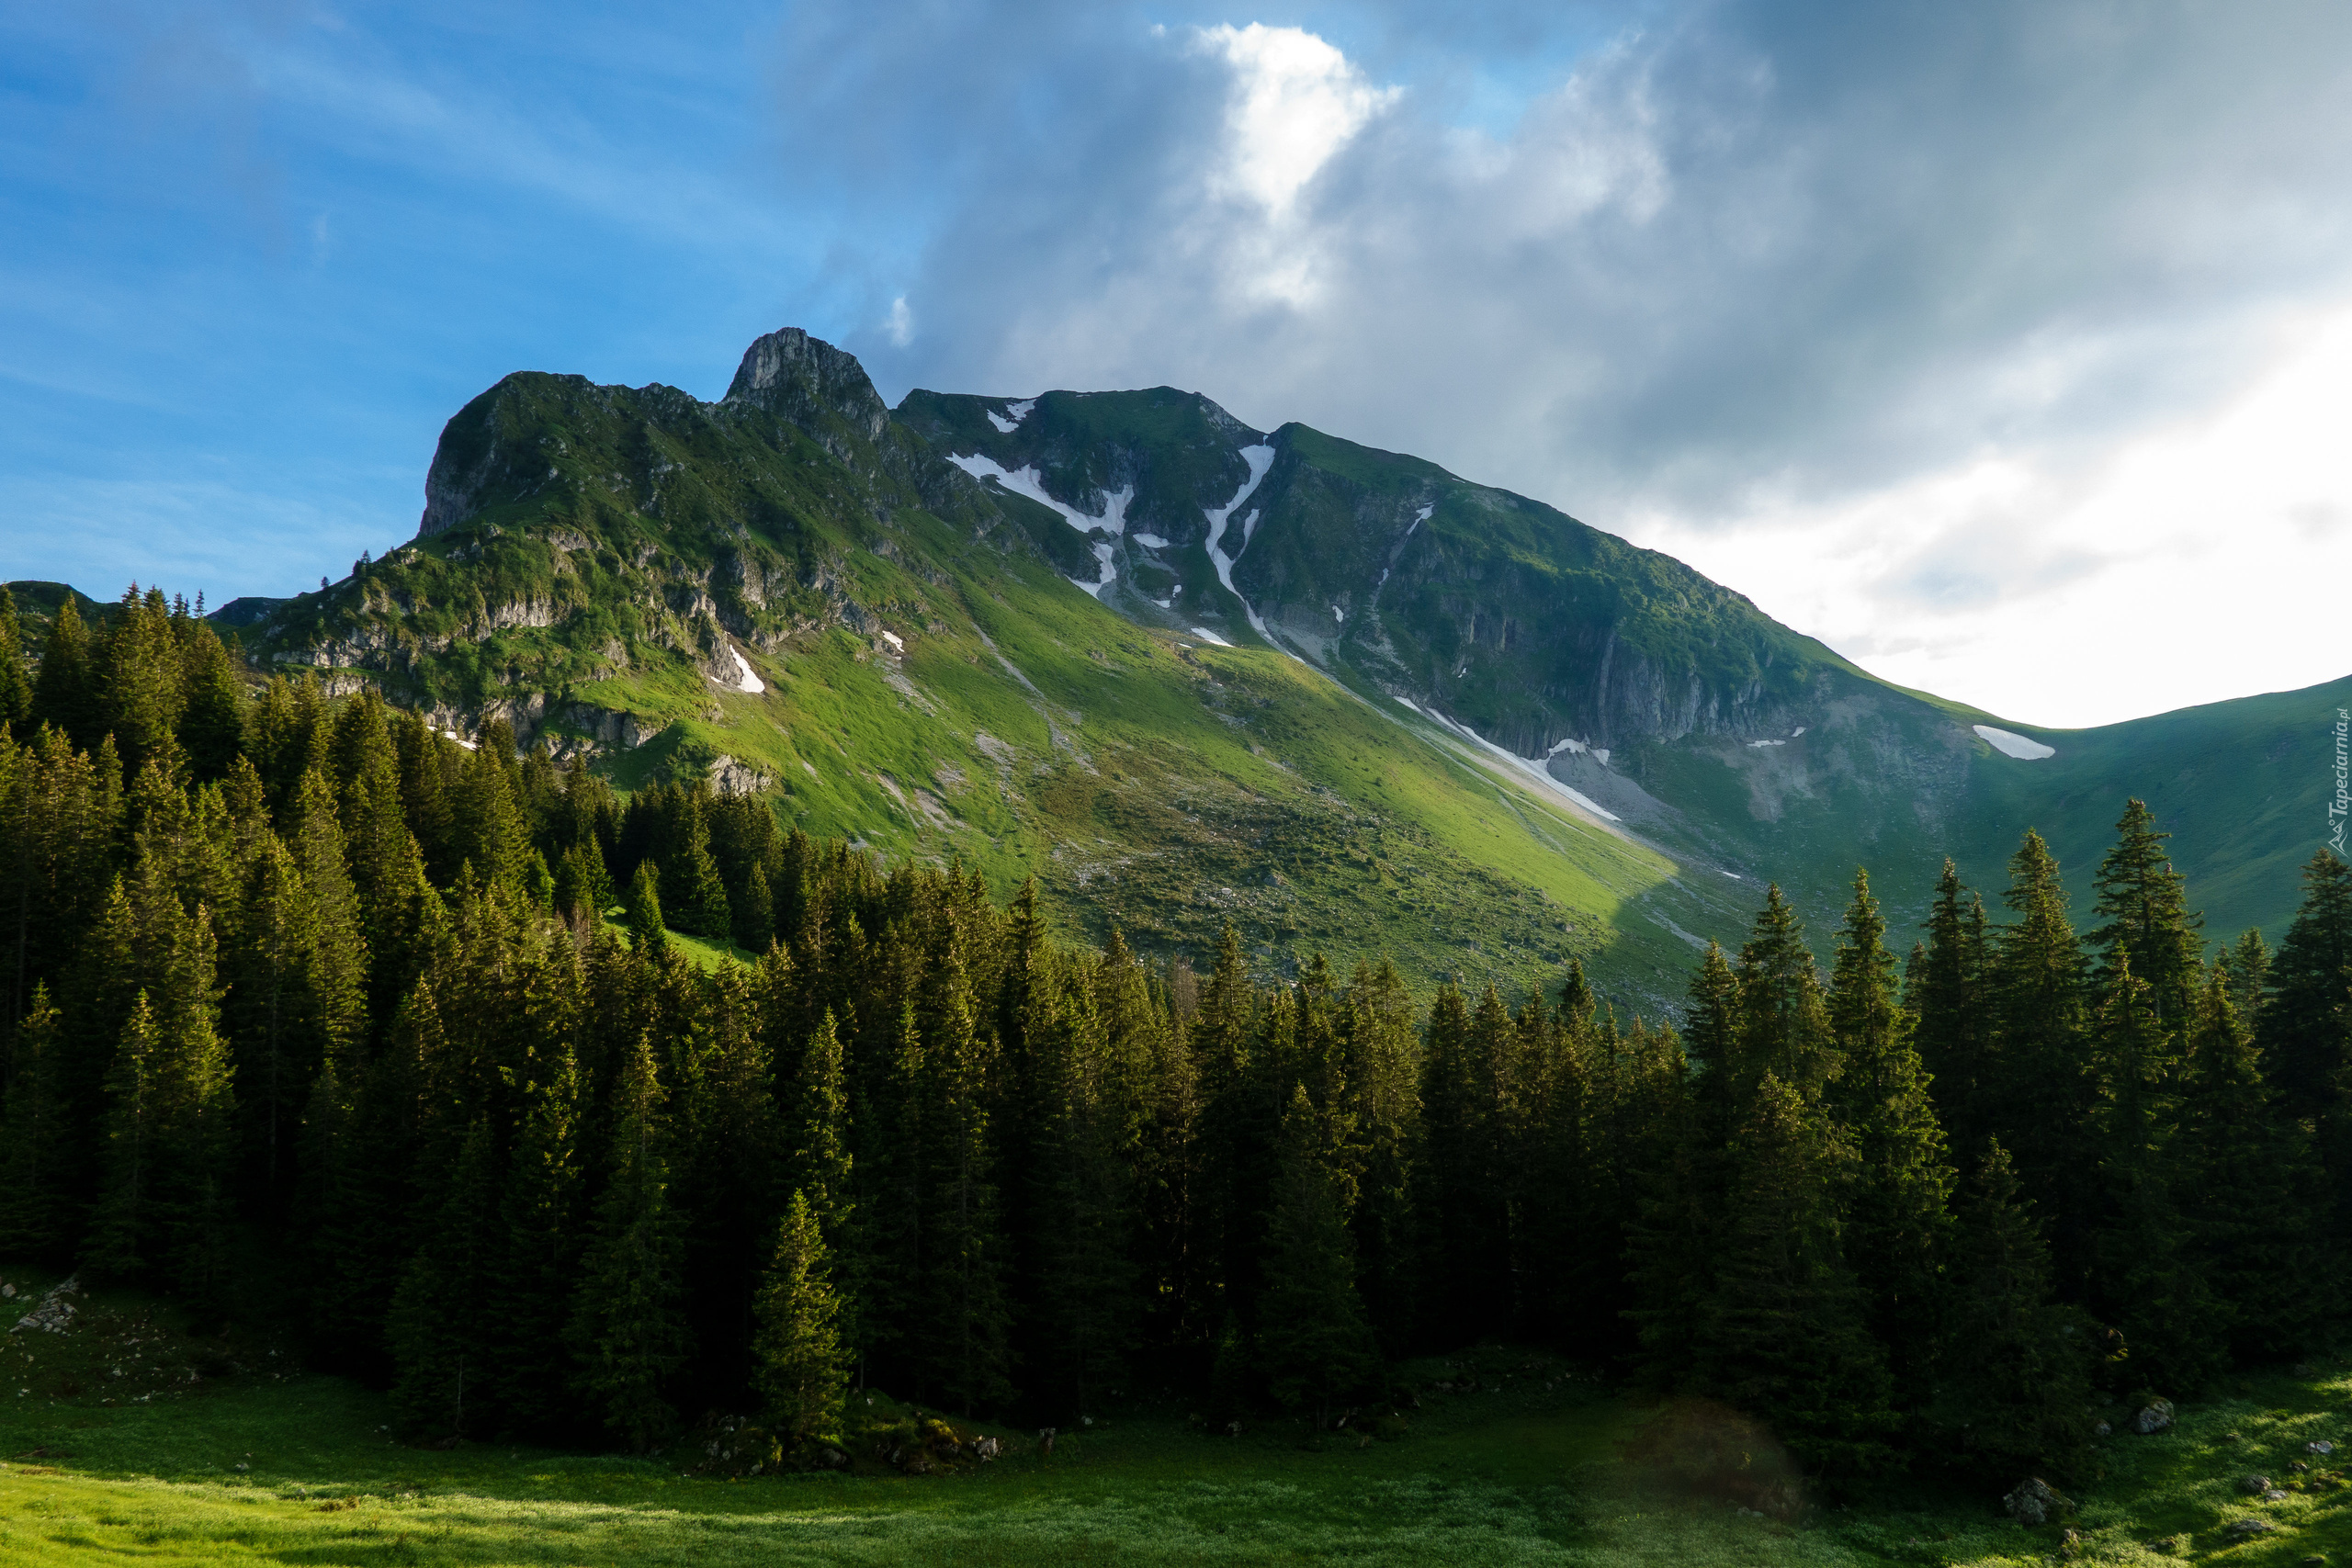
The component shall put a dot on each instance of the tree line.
(299, 975)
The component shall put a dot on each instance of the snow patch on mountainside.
(2012, 745)
(1025, 481)
(745, 680)
(1110, 572)
(1534, 772)
(1207, 636)
(1260, 459)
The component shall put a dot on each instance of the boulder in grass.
(2254, 1485)
(2034, 1501)
(2241, 1530)
(2154, 1416)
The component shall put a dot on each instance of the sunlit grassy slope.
(1165, 785)
(132, 1440)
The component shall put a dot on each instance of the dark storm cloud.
(1803, 249)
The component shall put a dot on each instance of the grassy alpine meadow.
(127, 1436)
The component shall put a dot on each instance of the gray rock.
(2241, 1528)
(2253, 1483)
(2034, 1501)
(2156, 1417)
(2321, 1446)
(2104, 1429)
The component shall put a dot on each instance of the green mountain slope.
(1185, 672)
(790, 590)
(1743, 748)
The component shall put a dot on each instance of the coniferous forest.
(297, 977)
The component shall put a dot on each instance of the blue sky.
(2007, 347)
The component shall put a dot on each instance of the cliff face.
(635, 530)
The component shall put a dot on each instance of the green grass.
(214, 1450)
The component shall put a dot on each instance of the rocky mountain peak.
(806, 379)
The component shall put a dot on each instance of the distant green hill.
(1186, 672)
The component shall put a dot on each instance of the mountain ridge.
(857, 608)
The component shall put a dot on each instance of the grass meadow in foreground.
(125, 1438)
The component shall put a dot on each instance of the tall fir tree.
(966, 1358)
(627, 1334)
(801, 1367)
(643, 914)
(1898, 1201)
(35, 1202)
(2248, 1173)
(1949, 996)
(1317, 1348)
(698, 894)
(2305, 1031)
(2036, 1090)
(2147, 1279)
(543, 1211)
(439, 1323)
(2146, 922)
(2013, 1393)
(1078, 1173)
(64, 691)
(16, 681)
(1784, 1018)
(1781, 1334)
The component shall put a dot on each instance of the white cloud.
(2196, 560)
(901, 324)
(1929, 330)
(1296, 101)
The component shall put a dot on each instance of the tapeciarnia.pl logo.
(2342, 805)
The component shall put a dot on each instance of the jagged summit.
(804, 379)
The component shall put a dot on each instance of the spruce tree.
(1383, 1100)
(35, 1203)
(1949, 996)
(439, 1324)
(1315, 1344)
(16, 684)
(543, 1211)
(2036, 1091)
(1784, 1020)
(1465, 1101)
(752, 912)
(584, 890)
(2145, 920)
(2013, 1390)
(801, 1367)
(2148, 1281)
(643, 914)
(1677, 1204)
(1079, 1179)
(698, 894)
(626, 1333)
(2305, 1032)
(63, 692)
(1781, 1335)
(2248, 1174)
(137, 685)
(163, 1211)
(2246, 965)
(1900, 1180)
(212, 702)
(966, 1357)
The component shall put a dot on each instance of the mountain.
(1187, 671)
